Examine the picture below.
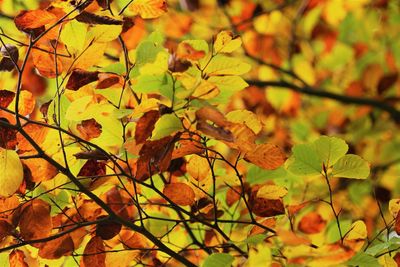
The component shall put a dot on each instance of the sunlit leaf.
(11, 172)
(351, 166)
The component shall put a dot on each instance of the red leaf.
(145, 126)
(94, 255)
(93, 167)
(8, 137)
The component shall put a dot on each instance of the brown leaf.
(91, 154)
(115, 202)
(104, 3)
(89, 129)
(180, 193)
(386, 82)
(216, 132)
(91, 18)
(93, 167)
(107, 80)
(397, 224)
(131, 239)
(94, 253)
(9, 54)
(35, 221)
(155, 157)
(145, 126)
(107, 229)
(5, 229)
(57, 248)
(264, 207)
(269, 222)
(266, 156)
(17, 259)
(6, 97)
(312, 223)
(32, 19)
(79, 78)
(8, 137)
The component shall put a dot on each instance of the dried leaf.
(9, 57)
(108, 229)
(90, 18)
(6, 97)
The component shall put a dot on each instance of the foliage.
(199, 133)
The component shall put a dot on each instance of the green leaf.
(228, 85)
(218, 260)
(332, 232)
(330, 149)
(152, 83)
(363, 259)
(351, 166)
(305, 160)
(165, 126)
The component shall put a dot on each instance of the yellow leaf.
(149, 9)
(247, 117)
(272, 192)
(104, 33)
(260, 255)
(394, 206)
(11, 172)
(304, 70)
(358, 230)
(226, 42)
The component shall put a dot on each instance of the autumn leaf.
(32, 19)
(11, 172)
(94, 253)
(35, 221)
(179, 193)
(149, 9)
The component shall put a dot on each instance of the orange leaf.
(28, 20)
(57, 248)
(266, 156)
(41, 170)
(35, 221)
(45, 63)
(94, 253)
(180, 193)
(149, 9)
(312, 223)
(17, 259)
